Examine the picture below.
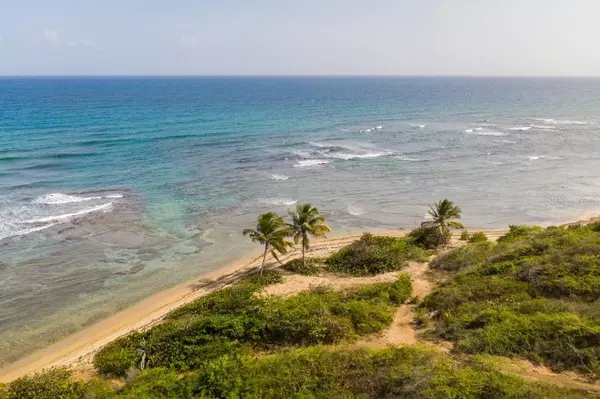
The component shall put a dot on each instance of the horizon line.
(290, 76)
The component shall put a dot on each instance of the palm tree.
(442, 213)
(271, 231)
(307, 221)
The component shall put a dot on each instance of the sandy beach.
(76, 351)
(79, 347)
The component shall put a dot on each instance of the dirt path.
(536, 373)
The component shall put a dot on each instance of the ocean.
(113, 188)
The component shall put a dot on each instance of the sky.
(304, 37)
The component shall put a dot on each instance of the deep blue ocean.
(113, 188)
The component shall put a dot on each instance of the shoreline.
(78, 348)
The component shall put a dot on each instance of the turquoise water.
(112, 188)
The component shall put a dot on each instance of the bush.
(518, 231)
(535, 295)
(464, 235)
(373, 255)
(49, 385)
(269, 277)
(157, 383)
(405, 372)
(461, 258)
(429, 237)
(234, 321)
(478, 237)
(313, 266)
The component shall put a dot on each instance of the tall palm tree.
(271, 231)
(307, 221)
(443, 212)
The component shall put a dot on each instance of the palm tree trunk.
(262, 267)
(303, 251)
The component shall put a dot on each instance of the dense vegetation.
(315, 372)
(237, 319)
(534, 294)
(373, 255)
(306, 267)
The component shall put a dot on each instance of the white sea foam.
(311, 162)
(545, 127)
(366, 130)
(536, 157)
(422, 126)
(303, 153)
(275, 176)
(67, 216)
(356, 210)
(379, 127)
(278, 201)
(506, 141)
(6, 233)
(60, 198)
(406, 158)
(561, 121)
(566, 122)
(520, 128)
(347, 156)
(490, 133)
(482, 132)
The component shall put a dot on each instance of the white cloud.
(188, 41)
(81, 43)
(51, 36)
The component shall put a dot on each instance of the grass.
(315, 372)
(534, 294)
(373, 255)
(237, 320)
(312, 267)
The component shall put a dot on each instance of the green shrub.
(269, 277)
(48, 385)
(429, 237)
(395, 293)
(313, 266)
(462, 258)
(157, 383)
(535, 295)
(464, 235)
(405, 372)
(235, 320)
(373, 255)
(478, 237)
(518, 231)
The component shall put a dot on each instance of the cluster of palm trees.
(273, 231)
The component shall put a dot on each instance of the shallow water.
(112, 188)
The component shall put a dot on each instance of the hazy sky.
(304, 37)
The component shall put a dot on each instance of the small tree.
(443, 213)
(271, 231)
(307, 221)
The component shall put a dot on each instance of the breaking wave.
(304, 163)
(60, 198)
(278, 201)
